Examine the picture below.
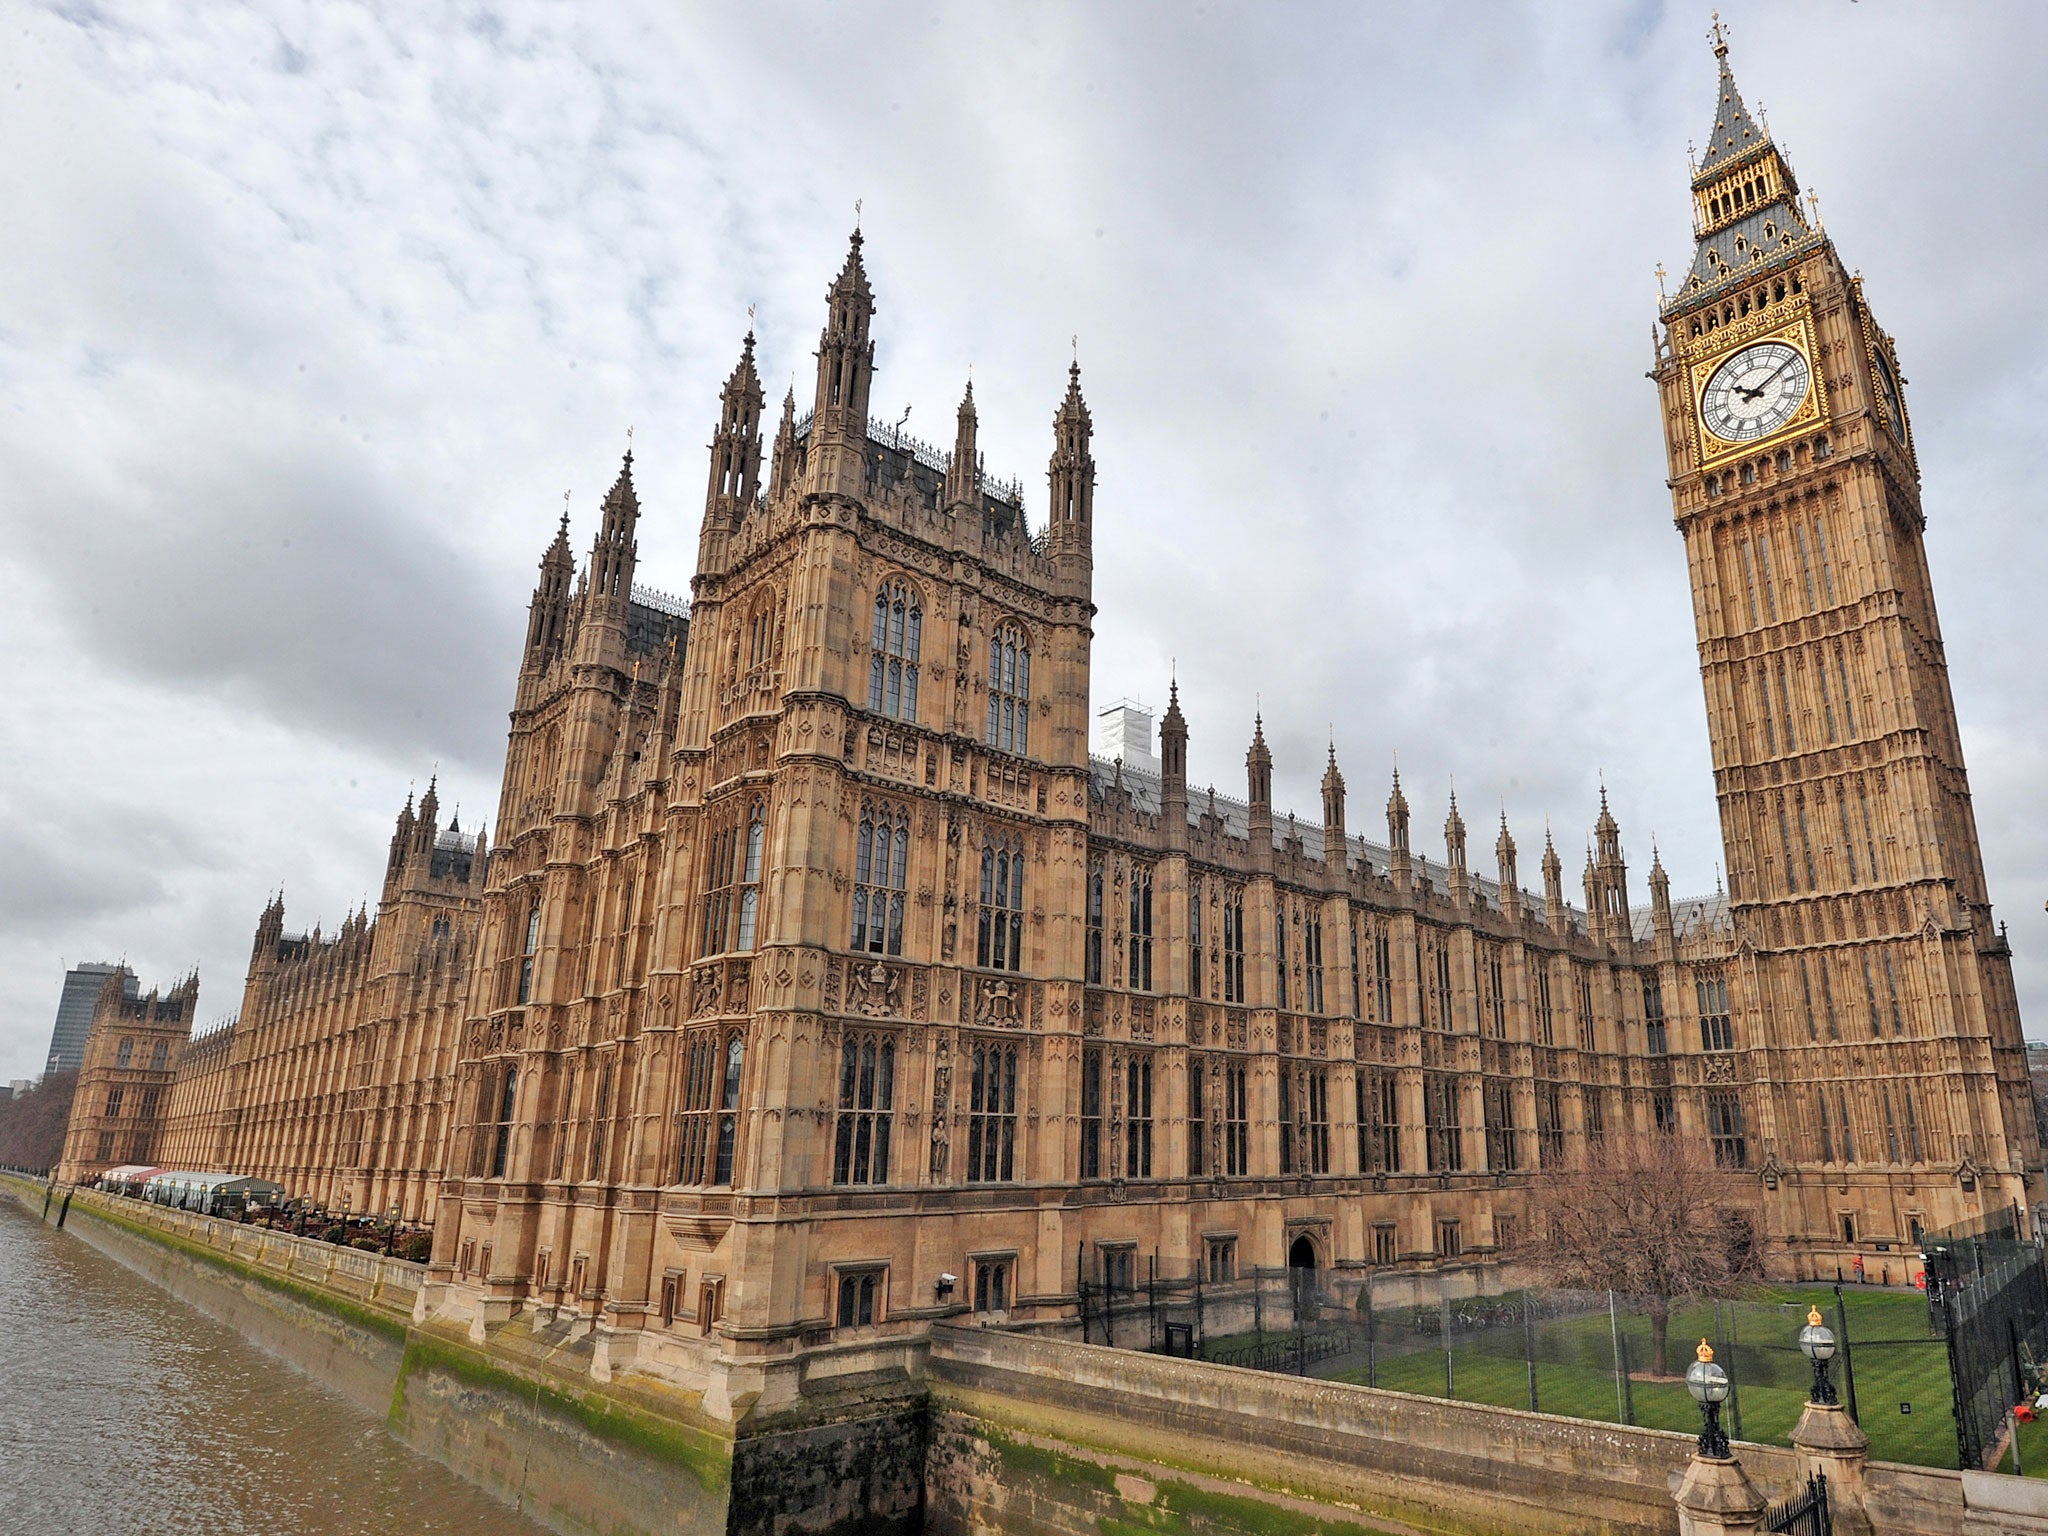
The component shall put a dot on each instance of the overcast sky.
(309, 315)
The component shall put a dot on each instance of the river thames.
(128, 1411)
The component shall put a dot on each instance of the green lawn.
(1575, 1372)
(2033, 1450)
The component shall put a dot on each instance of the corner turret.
(1173, 770)
(1070, 535)
(1401, 867)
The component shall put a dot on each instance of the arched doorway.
(1301, 1275)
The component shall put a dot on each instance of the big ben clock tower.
(1878, 1037)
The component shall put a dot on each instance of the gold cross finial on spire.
(1719, 36)
(1660, 280)
(1813, 202)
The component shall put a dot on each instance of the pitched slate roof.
(1735, 131)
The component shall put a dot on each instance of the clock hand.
(1774, 375)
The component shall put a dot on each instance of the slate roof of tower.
(1748, 246)
(1735, 131)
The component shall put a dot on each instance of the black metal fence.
(1805, 1513)
(1584, 1354)
(1987, 1293)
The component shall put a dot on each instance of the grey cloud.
(1363, 295)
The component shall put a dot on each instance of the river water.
(122, 1410)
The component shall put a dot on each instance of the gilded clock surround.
(1880, 356)
(1789, 321)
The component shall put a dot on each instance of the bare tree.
(1651, 1216)
(32, 1126)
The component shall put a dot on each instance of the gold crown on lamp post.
(1813, 1317)
(1705, 1351)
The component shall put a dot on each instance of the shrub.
(335, 1234)
(368, 1244)
(417, 1248)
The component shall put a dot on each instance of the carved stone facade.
(822, 984)
(131, 1053)
(335, 1079)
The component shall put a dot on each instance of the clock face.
(1755, 392)
(1888, 394)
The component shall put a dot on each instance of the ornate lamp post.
(1817, 1343)
(1708, 1384)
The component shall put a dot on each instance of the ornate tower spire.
(1173, 770)
(1553, 885)
(1660, 896)
(616, 549)
(1072, 475)
(736, 445)
(782, 468)
(429, 823)
(1454, 848)
(1611, 876)
(1401, 867)
(401, 845)
(846, 354)
(1258, 762)
(547, 620)
(963, 475)
(1258, 772)
(1745, 199)
(1333, 812)
(1504, 859)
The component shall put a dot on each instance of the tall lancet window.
(1000, 946)
(732, 894)
(881, 873)
(1009, 691)
(892, 667)
(528, 954)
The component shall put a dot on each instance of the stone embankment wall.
(1037, 1438)
(972, 1433)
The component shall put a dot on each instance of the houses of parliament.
(816, 981)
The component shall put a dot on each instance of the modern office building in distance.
(82, 985)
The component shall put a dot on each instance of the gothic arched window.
(1001, 942)
(527, 954)
(892, 668)
(1009, 691)
(881, 873)
(867, 1099)
(732, 886)
(764, 631)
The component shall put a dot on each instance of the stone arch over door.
(1304, 1288)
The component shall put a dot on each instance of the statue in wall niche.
(705, 998)
(942, 1097)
